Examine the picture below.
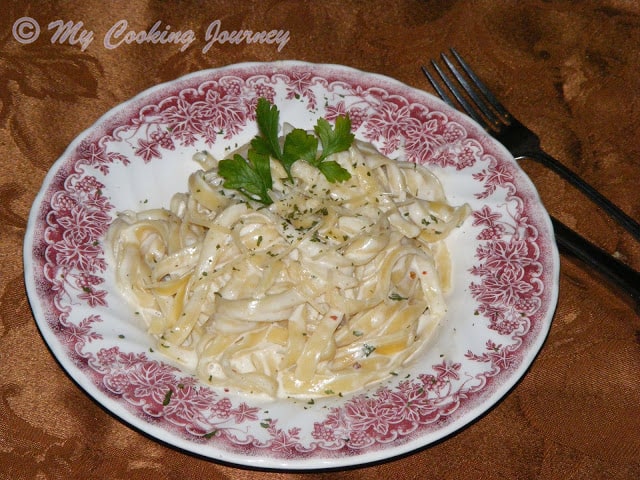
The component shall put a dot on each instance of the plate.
(505, 263)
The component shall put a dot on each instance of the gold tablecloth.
(569, 70)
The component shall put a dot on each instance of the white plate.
(138, 154)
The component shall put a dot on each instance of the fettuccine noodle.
(330, 288)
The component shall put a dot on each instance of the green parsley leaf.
(334, 140)
(252, 178)
(298, 144)
(268, 120)
(333, 171)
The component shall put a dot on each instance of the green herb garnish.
(252, 176)
(368, 349)
(397, 297)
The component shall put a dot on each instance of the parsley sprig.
(251, 176)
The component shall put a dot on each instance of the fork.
(481, 105)
(522, 142)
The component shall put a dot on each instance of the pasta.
(328, 289)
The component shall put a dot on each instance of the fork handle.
(613, 210)
(617, 272)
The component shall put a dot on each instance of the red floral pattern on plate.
(509, 292)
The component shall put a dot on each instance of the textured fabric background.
(568, 69)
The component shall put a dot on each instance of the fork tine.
(495, 103)
(494, 121)
(436, 86)
(453, 88)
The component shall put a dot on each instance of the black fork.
(522, 142)
(473, 96)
